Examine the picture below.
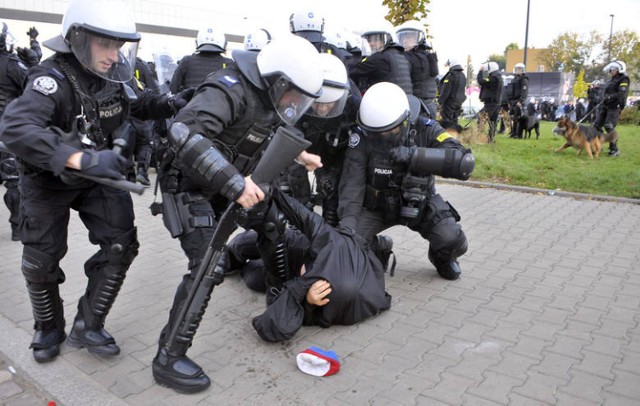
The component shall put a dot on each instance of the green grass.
(534, 163)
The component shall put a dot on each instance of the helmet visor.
(110, 58)
(289, 100)
(9, 41)
(332, 101)
(409, 39)
(372, 43)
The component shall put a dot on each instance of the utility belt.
(407, 203)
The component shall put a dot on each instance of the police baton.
(121, 184)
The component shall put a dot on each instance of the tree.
(513, 45)
(406, 10)
(501, 60)
(625, 46)
(570, 52)
(580, 87)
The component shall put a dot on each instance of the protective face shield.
(7, 39)
(291, 68)
(377, 37)
(518, 68)
(210, 40)
(256, 40)
(384, 113)
(620, 66)
(335, 88)
(102, 36)
(307, 24)
(411, 34)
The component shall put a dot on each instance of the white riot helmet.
(377, 37)
(335, 88)
(384, 107)
(210, 40)
(411, 34)
(307, 24)
(451, 62)
(337, 39)
(519, 68)
(491, 66)
(107, 26)
(619, 65)
(256, 40)
(290, 66)
(7, 40)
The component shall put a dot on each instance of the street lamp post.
(610, 35)
(526, 35)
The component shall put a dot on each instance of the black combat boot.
(46, 344)
(447, 269)
(179, 373)
(97, 341)
(382, 246)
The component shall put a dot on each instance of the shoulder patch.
(45, 85)
(354, 140)
(228, 80)
(444, 136)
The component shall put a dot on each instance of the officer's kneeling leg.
(446, 238)
(43, 275)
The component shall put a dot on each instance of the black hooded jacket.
(337, 256)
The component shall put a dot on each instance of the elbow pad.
(198, 153)
(445, 162)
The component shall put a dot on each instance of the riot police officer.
(65, 120)
(216, 142)
(517, 92)
(424, 63)
(327, 125)
(391, 176)
(490, 81)
(384, 60)
(210, 44)
(452, 92)
(615, 98)
(594, 99)
(309, 24)
(12, 74)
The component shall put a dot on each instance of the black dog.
(523, 122)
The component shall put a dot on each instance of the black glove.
(402, 154)
(28, 56)
(103, 164)
(182, 98)
(33, 33)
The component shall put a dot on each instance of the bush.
(630, 115)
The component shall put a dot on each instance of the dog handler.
(615, 98)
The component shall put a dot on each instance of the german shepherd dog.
(523, 122)
(581, 137)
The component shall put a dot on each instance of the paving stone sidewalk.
(547, 313)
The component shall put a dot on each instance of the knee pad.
(124, 249)
(39, 268)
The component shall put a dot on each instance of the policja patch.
(45, 85)
(354, 140)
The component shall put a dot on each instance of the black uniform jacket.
(364, 150)
(337, 256)
(47, 101)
